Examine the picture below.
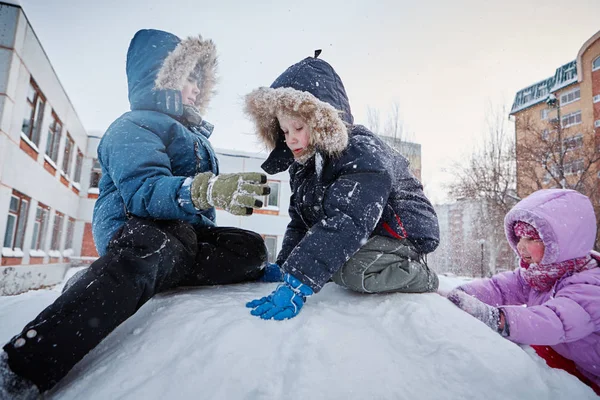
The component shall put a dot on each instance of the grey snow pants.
(387, 265)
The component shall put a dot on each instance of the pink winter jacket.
(566, 317)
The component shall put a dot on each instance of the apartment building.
(557, 124)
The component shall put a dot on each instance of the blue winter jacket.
(147, 153)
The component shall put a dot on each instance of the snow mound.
(202, 343)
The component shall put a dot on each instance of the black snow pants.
(144, 258)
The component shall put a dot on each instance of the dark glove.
(487, 314)
(231, 192)
(285, 302)
(272, 273)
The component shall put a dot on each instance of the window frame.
(78, 166)
(36, 109)
(573, 115)
(567, 94)
(42, 216)
(17, 236)
(96, 172)
(57, 231)
(266, 199)
(70, 233)
(272, 257)
(54, 136)
(68, 155)
(573, 142)
(596, 64)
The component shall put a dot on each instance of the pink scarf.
(543, 277)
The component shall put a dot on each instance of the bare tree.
(394, 126)
(489, 176)
(373, 119)
(548, 157)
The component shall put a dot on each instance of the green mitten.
(231, 192)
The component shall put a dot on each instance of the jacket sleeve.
(507, 288)
(294, 233)
(572, 314)
(138, 164)
(353, 204)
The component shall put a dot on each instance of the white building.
(272, 219)
(45, 161)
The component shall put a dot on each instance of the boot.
(13, 386)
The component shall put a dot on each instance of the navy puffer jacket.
(355, 186)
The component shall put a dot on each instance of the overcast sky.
(444, 62)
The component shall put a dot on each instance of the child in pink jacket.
(553, 232)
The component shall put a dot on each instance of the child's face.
(297, 134)
(190, 91)
(530, 250)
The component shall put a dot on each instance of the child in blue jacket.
(154, 221)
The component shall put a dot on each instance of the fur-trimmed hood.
(158, 65)
(564, 219)
(311, 90)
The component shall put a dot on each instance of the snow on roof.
(202, 343)
(11, 2)
(564, 75)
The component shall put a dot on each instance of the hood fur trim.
(191, 56)
(329, 133)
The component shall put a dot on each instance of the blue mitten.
(285, 302)
(272, 273)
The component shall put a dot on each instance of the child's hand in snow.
(284, 303)
(487, 314)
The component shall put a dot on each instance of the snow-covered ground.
(202, 343)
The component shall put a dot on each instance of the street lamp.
(553, 102)
(481, 242)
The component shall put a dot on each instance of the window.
(544, 114)
(17, 220)
(34, 112)
(70, 231)
(69, 145)
(570, 96)
(57, 231)
(78, 165)
(272, 200)
(271, 243)
(574, 167)
(570, 73)
(573, 142)
(597, 98)
(545, 134)
(54, 133)
(596, 64)
(571, 119)
(39, 227)
(597, 123)
(96, 174)
(527, 96)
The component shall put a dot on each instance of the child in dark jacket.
(358, 215)
(553, 232)
(154, 221)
